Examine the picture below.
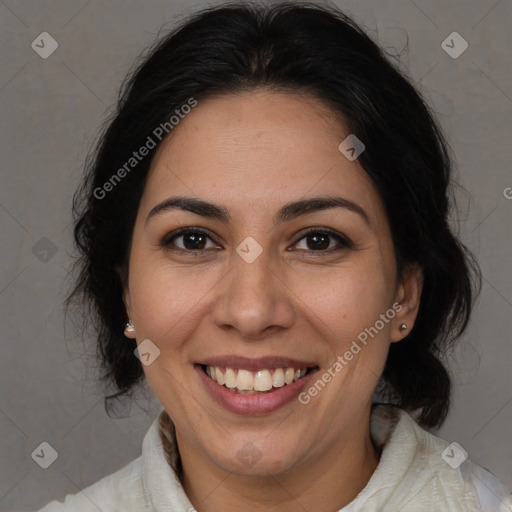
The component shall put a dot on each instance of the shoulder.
(148, 483)
(478, 489)
(491, 492)
(108, 494)
(431, 473)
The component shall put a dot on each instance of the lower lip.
(259, 403)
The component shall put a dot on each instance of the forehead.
(255, 149)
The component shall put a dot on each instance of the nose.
(253, 299)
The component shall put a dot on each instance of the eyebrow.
(288, 212)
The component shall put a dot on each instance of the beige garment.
(412, 476)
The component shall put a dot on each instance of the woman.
(264, 237)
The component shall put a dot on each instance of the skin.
(251, 153)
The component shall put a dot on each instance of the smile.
(248, 382)
(253, 386)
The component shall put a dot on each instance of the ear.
(408, 297)
(127, 301)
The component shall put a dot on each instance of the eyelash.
(344, 243)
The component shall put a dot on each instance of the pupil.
(195, 238)
(319, 246)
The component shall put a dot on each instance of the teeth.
(219, 377)
(248, 383)
(230, 378)
(262, 381)
(278, 378)
(244, 380)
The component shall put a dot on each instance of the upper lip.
(255, 364)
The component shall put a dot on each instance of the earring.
(129, 328)
(403, 327)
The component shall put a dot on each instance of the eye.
(320, 240)
(194, 239)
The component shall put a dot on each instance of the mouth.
(262, 381)
(247, 386)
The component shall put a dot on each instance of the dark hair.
(295, 47)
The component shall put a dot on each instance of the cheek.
(346, 299)
(167, 299)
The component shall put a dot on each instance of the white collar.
(410, 468)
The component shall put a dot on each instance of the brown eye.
(192, 240)
(319, 240)
(196, 240)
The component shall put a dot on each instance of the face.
(256, 287)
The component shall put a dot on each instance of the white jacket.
(412, 476)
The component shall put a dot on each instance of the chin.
(254, 458)
(255, 464)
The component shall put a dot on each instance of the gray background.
(51, 111)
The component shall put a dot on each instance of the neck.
(329, 481)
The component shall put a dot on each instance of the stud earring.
(403, 327)
(129, 328)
